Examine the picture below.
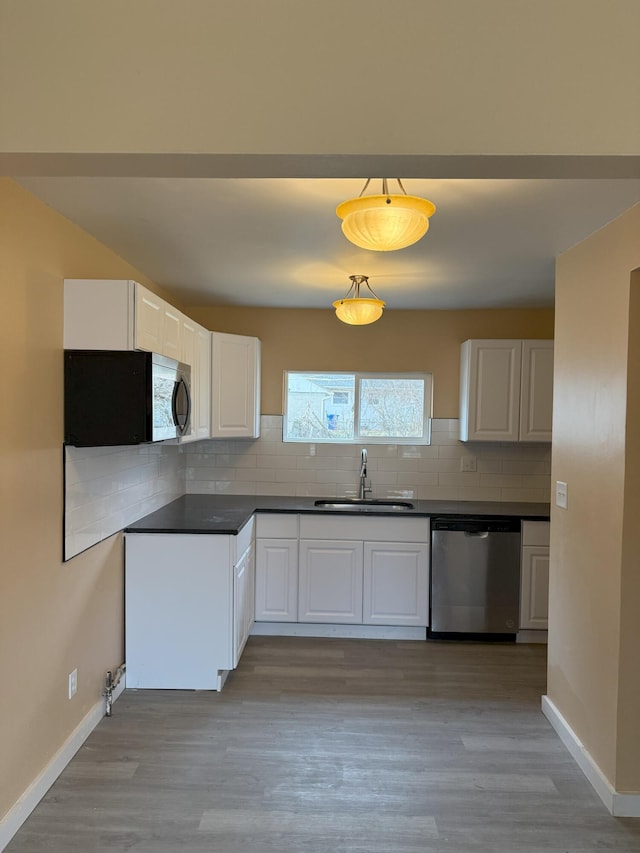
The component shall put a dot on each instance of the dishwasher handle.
(477, 534)
(477, 525)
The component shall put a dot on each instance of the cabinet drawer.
(245, 538)
(535, 533)
(378, 528)
(274, 526)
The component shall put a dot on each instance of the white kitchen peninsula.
(191, 576)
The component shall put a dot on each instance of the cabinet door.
(149, 315)
(396, 584)
(534, 587)
(171, 332)
(201, 387)
(330, 582)
(242, 603)
(276, 580)
(189, 355)
(235, 386)
(536, 398)
(490, 390)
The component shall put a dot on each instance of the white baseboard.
(362, 632)
(21, 810)
(620, 805)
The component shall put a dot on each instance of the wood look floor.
(320, 746)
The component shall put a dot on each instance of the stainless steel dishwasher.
(475, 577)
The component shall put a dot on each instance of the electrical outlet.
(73, 683)
(561, 494)
(468, 463)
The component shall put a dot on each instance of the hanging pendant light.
(385, 222)
(356, 310)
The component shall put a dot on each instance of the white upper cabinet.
(235, 386)
(99, 314)
(536, 394)
(119, 314)
(506, 390)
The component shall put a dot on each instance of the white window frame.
(427, 410)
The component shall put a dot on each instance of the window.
(348, 408)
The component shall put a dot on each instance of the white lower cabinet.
(534, 576)
(342, 570)
(396, 583)
(330, 581)
(188, 607)
(276, 568)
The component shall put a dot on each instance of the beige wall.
(54, 616)
(295, 339)
(329, 78)
(594, 641)
(628, 746)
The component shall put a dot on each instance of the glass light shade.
(357, 311)
(385, 223)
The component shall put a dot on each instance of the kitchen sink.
(363, 504)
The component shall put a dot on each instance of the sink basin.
(358, 503)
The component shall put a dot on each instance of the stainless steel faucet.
(364, 489)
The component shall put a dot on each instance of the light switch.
(561, 494)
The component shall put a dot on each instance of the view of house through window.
(353, 407)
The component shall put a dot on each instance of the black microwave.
(124, 397)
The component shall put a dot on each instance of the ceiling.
(278, 242)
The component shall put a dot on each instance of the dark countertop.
(229, 513)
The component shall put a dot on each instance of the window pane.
(391, 407)
(320, 407)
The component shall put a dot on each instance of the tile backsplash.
(267, 466)
(108, 488)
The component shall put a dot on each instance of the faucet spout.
(364, 489)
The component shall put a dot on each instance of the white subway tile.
(445, 466)
(454, 451)
(381, 451)
(334, 476)
(417, 478)
(512, 481)
(273, 489)
(439, 493)
(237, 488)
(315, 462)
(467, 479)
(235, 460)
(316, 490)
(384, 478)
(200, 487)
(273, 461)
(469, 493)
(255, 475)
(534, 495)
(491, 466)
(294, 475)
